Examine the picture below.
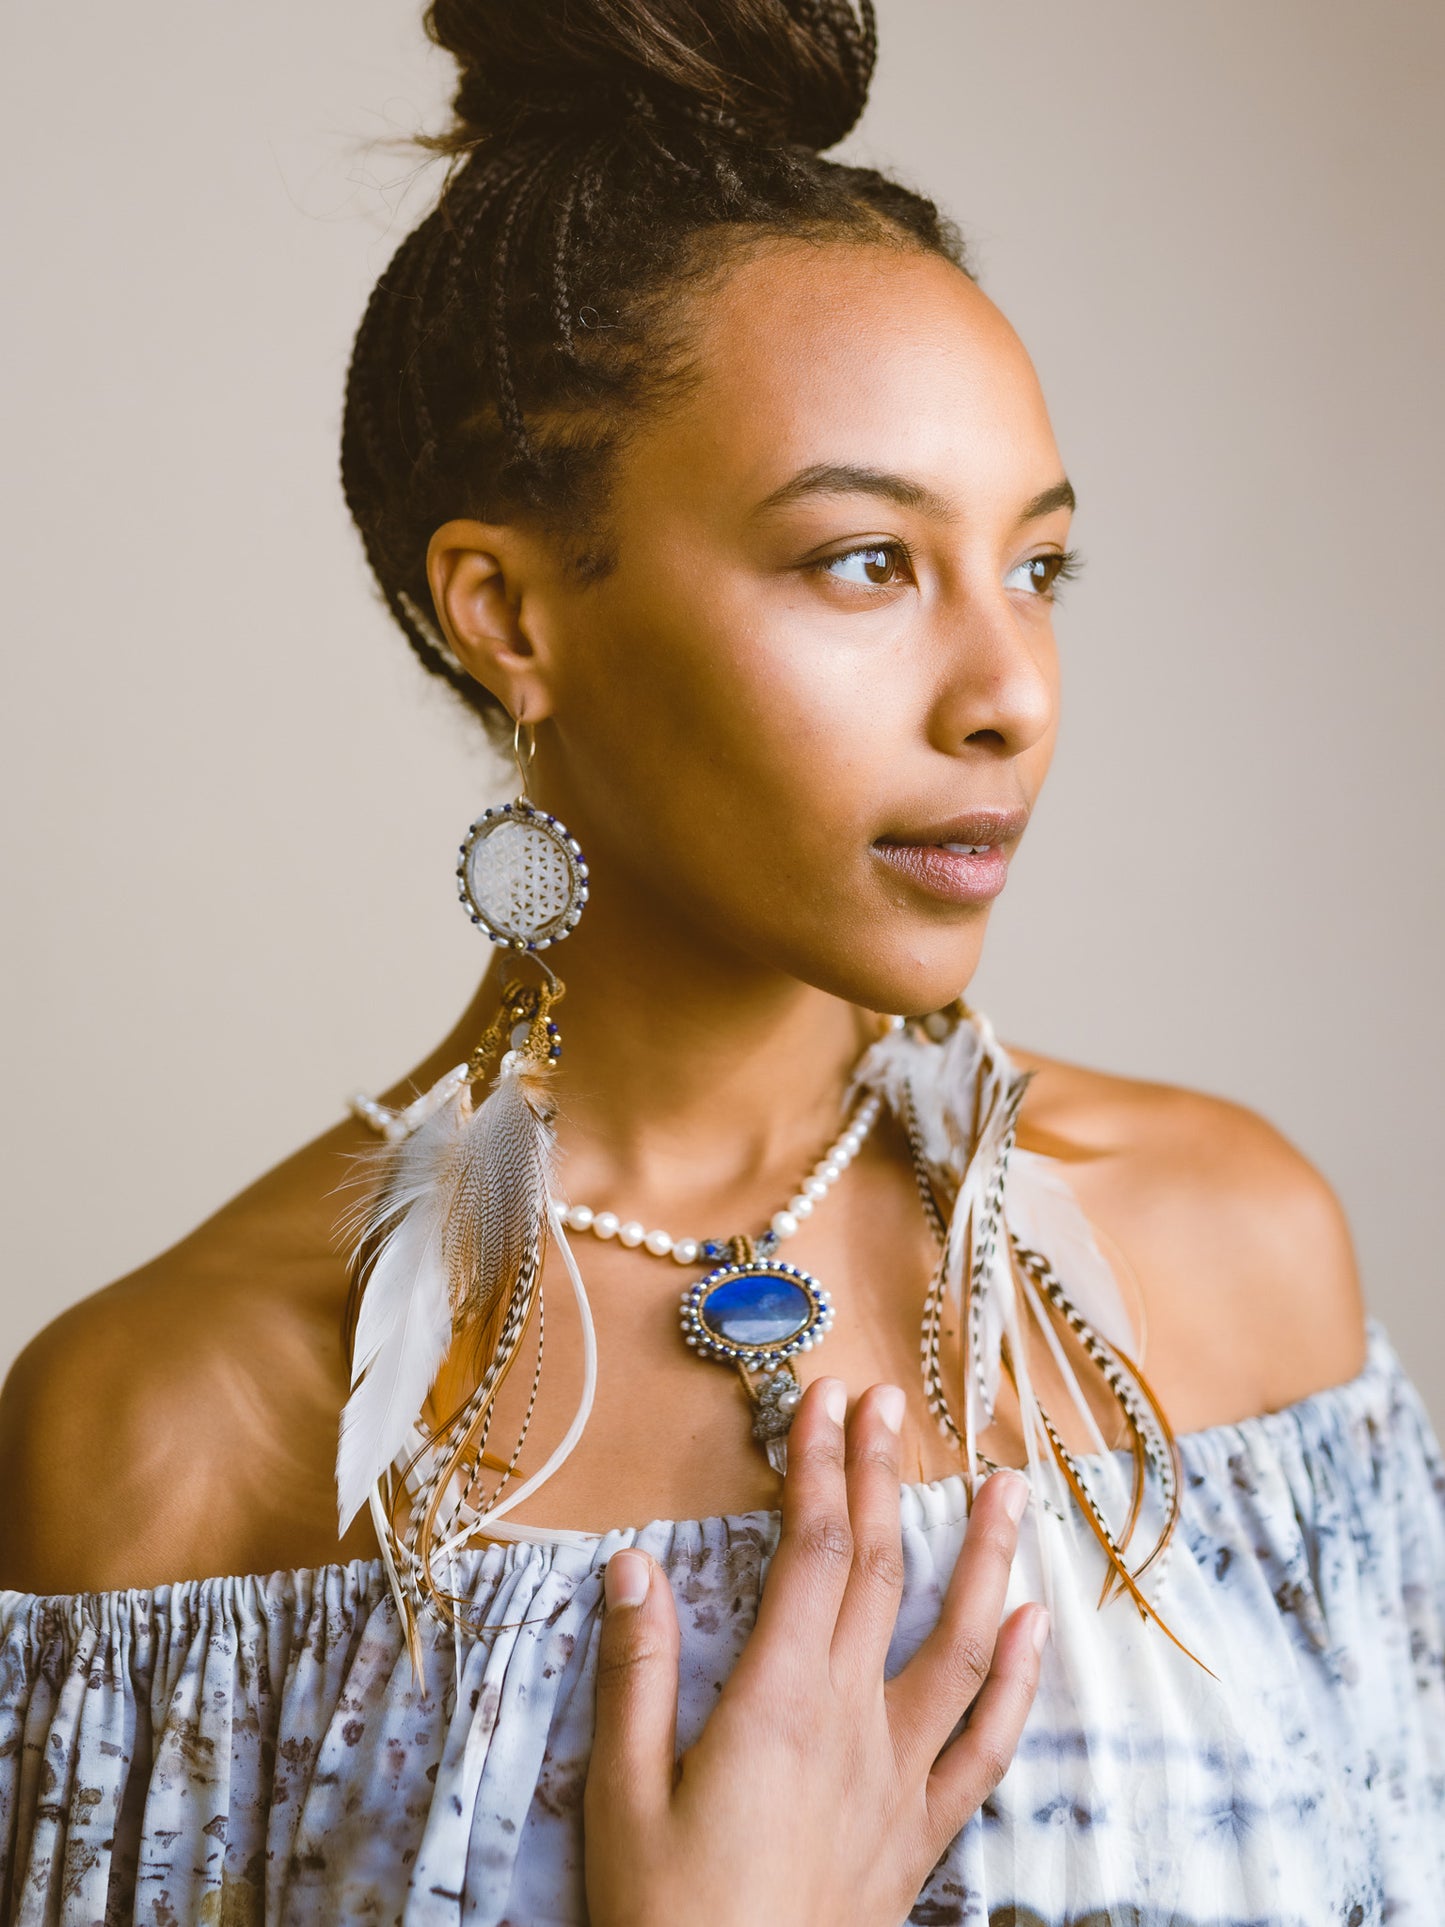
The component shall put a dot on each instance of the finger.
(630, 1774)
(929, 1696)
(968, 1770)
(805, 1582)
(869, 1610)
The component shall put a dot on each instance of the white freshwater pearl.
(685, 1251)
(605, 1224)
(815, 1188)
(800, 1207)
(658, 1243)
(579, 1217)
(785, 1224)
(831, 1171)
(632, 1233)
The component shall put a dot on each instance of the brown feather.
(1105, 1539)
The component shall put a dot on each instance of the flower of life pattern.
(520, 879)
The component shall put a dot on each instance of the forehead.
(848, 353)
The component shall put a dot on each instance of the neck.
(688, 1071)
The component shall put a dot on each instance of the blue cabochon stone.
(762, 1308)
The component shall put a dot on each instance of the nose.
(998, 691)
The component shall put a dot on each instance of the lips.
(963, 860)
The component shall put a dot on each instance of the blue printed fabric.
(242, 1750)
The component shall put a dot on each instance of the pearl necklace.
(752, 1311)
(784, 1224)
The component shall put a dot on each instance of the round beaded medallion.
(755, 1315)
(522, 876)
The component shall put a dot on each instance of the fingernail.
(835, 1400)
(625, 1581)
(1039, 1628)
(1015, 1494)
(890, 1403)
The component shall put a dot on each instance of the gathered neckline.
(927, 1502)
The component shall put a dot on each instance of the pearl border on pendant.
(763, 1357)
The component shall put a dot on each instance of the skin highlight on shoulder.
(1253, 1291)
(181, 1423)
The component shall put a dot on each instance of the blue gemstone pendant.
(756, 1314)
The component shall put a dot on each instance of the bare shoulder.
(1241, 1247)
(180, 1423)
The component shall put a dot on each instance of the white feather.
(1045, 1216)
(903, 1066)
(404, 1324)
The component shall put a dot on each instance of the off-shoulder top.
(238, 1750)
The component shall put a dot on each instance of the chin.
(918, 993)
(897, 971)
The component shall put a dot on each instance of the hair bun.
(788, 72)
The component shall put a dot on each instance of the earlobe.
(478, 609)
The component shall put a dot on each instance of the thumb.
(631, 1770)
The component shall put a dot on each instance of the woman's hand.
(818, 1792)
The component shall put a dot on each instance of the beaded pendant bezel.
(767, 1355)
(524, 815)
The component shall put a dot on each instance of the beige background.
(232, 803)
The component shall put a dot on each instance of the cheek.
(744, 757)
(815, 729)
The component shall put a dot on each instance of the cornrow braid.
(606, 157)
(592, 156)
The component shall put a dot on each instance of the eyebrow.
(846, 478)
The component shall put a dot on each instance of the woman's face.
(824, 663)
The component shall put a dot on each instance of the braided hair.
(605, 157)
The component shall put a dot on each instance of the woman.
(704, 471)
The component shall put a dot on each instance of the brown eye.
(875, 565)
(1039, 573)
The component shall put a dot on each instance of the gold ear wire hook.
(523, 766)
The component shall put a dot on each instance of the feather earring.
(449, 1254)
(450, 1244)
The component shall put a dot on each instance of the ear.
(475, 570)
